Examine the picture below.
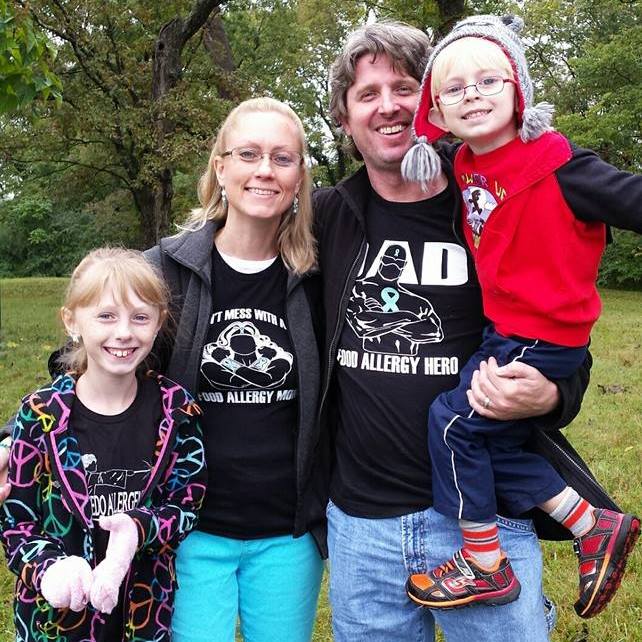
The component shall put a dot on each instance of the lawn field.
(607, 434)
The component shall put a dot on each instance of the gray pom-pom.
(536, 120)
(421, 164)
(513, 22)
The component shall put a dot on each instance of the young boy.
(535, 208)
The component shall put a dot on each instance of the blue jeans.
(271, 584)
(370, 560)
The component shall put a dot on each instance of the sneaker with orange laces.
(462, 582)
(602, 555)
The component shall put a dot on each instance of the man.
(382, 373)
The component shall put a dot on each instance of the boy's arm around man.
(599, 192)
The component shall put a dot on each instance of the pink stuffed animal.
(66, 583)
(110, 573)
(70, 582)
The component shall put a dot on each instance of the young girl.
(106, 467)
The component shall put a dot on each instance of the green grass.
(607, 434)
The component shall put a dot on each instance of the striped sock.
(481, 540)
(573, 512)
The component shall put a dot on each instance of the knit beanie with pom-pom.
(421, 163)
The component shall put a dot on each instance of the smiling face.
(380, 106)
(260, 190)
(484, 122)
(117, 332)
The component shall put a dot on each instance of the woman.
(245, 344)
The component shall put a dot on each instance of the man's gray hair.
(407, 47)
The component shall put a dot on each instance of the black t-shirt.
(413, 320)
(248, 394)
(117, 455)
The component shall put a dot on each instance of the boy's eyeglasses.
(488, 86)
(253, 156)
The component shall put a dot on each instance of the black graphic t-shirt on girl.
(117, 455)
(248, 393)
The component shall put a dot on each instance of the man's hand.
(110, 573)
(66, 583)
(514, 391)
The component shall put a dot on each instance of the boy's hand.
(110, 573)
(514, 391)
(66, 583)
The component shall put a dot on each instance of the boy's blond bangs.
(477, 53)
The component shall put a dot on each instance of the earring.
(295, 205)
(223, 197)
(75, 339)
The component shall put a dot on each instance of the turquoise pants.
(270, 584)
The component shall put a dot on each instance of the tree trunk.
(449, 13)
(153, 202)
(144, 200)
(217, 45)
(166, 74)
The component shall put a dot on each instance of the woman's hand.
(5, 487)
(514, 391)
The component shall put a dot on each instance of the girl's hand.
(110, 573)
(67, 583)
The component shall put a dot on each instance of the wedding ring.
(486, 402)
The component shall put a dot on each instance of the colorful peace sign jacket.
(48, 515)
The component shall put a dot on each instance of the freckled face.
(381, 103)
(262, 190)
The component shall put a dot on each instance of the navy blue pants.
(474, 459)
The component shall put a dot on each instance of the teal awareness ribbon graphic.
(390, 296)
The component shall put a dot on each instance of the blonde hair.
(295, 240)
(124, 271)
(478, 53)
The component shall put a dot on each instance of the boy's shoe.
(602, 555)
(461, 582)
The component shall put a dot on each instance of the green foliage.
(587, 59)
(622, 262)
(25, 58)
(114, 125)
(38, 238)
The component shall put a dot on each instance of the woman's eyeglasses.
(253, 156)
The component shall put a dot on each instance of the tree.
(129, 109)
(25, 59)
(146, 86)
(285, 48)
